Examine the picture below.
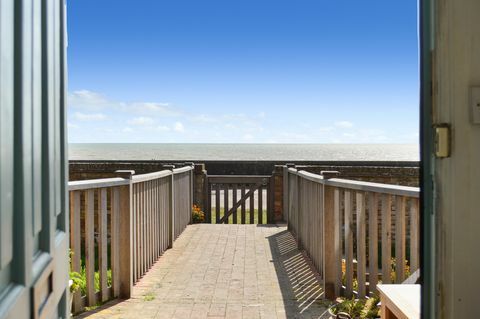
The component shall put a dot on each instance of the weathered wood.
(386, 237)
(243, 203)
(242, 200)
(252, 204)
(260, 205)
(102, 243)
(115, 237)
(217, 203)
(125, 242)
(90, 246)
(75, 242)
(225, 203)
(373, 241)
(238, 179)
(337, 242)
(331, 243)
(414, 235)
(400, 239)
(348, 244)
(234, 201)
(361, 245)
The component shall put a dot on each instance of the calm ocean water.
(299, 152)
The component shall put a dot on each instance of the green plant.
(197, 215)
(149, 296)
(358, 308)
(75, 277)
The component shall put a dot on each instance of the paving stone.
(225, 271)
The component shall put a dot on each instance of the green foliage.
(358, 308)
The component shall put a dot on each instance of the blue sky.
(237, 71)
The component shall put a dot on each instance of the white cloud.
(89, 116)
(84, 99)
(163, 128)
(344, 124)
(178, 127)
(141, 121)
(164, 109)
(127, 130)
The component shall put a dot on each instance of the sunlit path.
(226, 271)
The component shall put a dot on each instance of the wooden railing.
(120, 226)
(342, 223)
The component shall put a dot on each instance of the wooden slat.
(208, 208)
(243, 210)
(137, 231)
(234, 199)
(414, 235)
(217, 203)
(386, 237)
(102, 243)
(239, 179)
(260, 205)
(75, 242)
(90, 246)
(225, 202)
(242, 200)
(400, 239)
(361, 245)
(252, 206)
(373, 241)
(115, 235)
(348, 244)
(337, 242)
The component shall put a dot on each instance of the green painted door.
(33, 214)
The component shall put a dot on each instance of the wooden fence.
(120, 226)
(356, 233)
(241, 199)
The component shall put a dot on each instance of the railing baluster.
(217, 203)
(260, 205)
(90, 246)
(114, 243)
(414, 227)
(361, 244)
(234, 200)
(243, 205)
(386, 237)
(373, 241)
(102, 243)
(400, 239)
(75, 243)
(252, 207)
(225, 201)
(348, 244)
(337, 242)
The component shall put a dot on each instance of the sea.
(256, 152)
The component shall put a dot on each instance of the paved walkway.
(226, 271)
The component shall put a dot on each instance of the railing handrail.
(183, 169)
(359, 185)
(150, 176)
(374, 187)
(97, 183)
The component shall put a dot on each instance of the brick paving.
(226, 271)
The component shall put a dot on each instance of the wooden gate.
(239, 199)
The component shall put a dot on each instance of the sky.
(243, 71)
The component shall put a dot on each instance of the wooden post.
(171, 223)
(125, 241)
(331, 240)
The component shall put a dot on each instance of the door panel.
(34, 233)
